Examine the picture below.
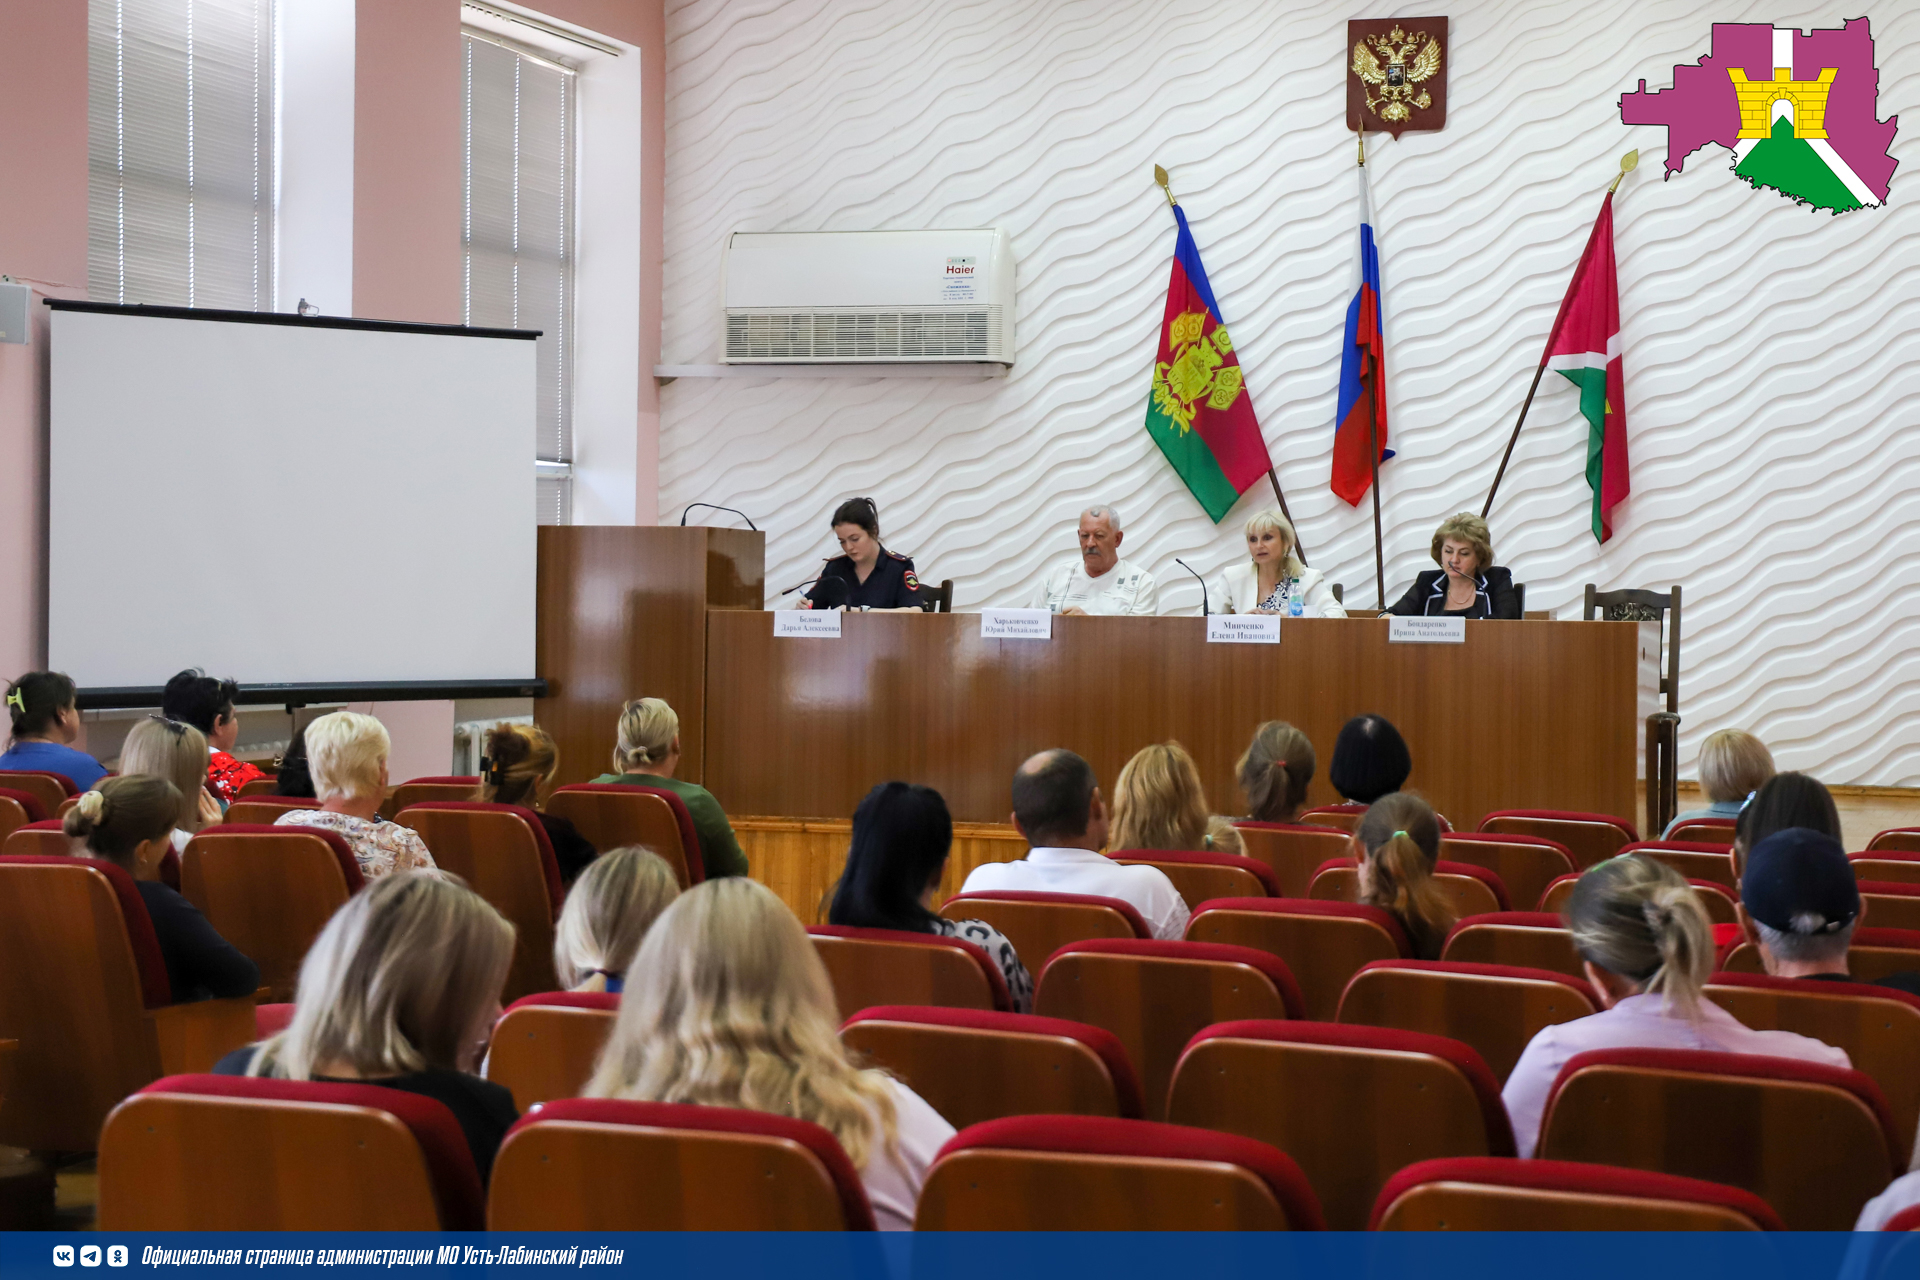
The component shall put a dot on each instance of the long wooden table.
(1528, 714)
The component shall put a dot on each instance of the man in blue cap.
(1800, 904)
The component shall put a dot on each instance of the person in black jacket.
(1467, 584)
(517, 767)
(866, 575)
(128, 821)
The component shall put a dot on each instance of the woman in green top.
(646, 754)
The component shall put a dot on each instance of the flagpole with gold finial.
(1627, 162)
(1373, 427)
(1160, 177)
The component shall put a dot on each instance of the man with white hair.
(1098, 581)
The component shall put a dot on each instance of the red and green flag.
(1200, 413)
(1584, 347)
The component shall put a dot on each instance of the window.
(519, 227)
(180, 152)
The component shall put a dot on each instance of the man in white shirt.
(1098, 581)
(1059, 810)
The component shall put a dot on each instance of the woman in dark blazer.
(1467, 584)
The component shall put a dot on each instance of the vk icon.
(63, 1255)
(89, 1255)
(116, 1255)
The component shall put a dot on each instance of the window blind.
(519, 226)
(180, 152)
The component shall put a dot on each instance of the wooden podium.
(622, 614)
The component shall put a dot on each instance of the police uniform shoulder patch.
(896, 555)
(913, 583)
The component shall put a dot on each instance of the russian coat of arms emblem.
(1397, 75)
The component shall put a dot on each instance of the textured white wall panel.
(1772, 352)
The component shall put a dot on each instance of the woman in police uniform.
(867, 575)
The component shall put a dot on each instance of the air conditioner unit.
(869, 297)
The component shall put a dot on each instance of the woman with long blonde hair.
(1397, 845)
(1273, 578)
(607, 915)
(170, 749)
(1159, 803)
(728, 1006)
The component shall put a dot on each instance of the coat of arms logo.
(1198, 373)
(1397, 75)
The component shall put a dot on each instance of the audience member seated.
(646, 753)
(1734, 765)
(1058, 809)
(162, 748)
(196, 698)
(518, 768)
(128, 822)
(401, 989)
(45, 720)
(1647, 951)
(295, 779)
(1397, 845)
(1784, 801)
(1274, 772)
(1370, 760)
(1158, 803)
(902, 835)
(730, 1007)
(1467, 584)
(347, 753)
(608, 912)
(1799, 905)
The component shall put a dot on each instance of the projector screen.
(288, 502)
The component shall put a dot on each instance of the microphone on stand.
(729, 510)
(1204, 610)
(833, 597)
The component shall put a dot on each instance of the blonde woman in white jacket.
(1272, 579)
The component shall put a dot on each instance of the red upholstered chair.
(871, 967)
(1156, 995)
(1715, 898)
(1322, 943)
(1588, 837)
(594, 1164)
(1908, 1219)
(50, 789)
(38, 839)
(1525, 864)
(1526, 939)
(269, 891)
(1351, 1104)
(1879, 1027)
(1488, 1193)
(611, 815)
(1199, 876)
(1891, 905)
(17, 809)
(1894, 865)
(972, 1065)
(502, 852)
(271, 1019)
(1495, 1009)
(84, 990)
(1815, 1142)
(1039, 924)
(234, 1153)
(1895, 839)
(544, 1046)
(1293, 851)
(257, 787)
(1470, 890)
(422, 790)
(266, 810)
(1710, 862)
(1342, 817)
(1704, 831)
(1079, 1173)
(1875, 954)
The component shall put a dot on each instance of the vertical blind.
(180, 152)
(519, 233)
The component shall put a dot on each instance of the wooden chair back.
(1896, 839)
(269, 891)
(1495, 1009)
(1891, 905)
(1703, 831)
(545, 1045)
(1323, 944)
(1466, 895)
(594, 1164)
(1887, 867)
(1352, 1105)
(1710, 862)
(50, 789)
(425, 790)
(1665, 606)
(1293, 851)
(264, 811)
(1716, 899)
(1039, 924)
(1521, 939)
(1155, 996)
(257, 787)
(937, 599)
(501, 851)
(972, 1066)
(871, 967)
(1525, 864)
(17, 809)
(1341, 817)
(1587, 837)
(1813, 1141)
(40, 840)
(1558, 1195)
(1876, 953)
(1199, 876)
(611, 817)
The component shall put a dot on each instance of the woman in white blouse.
(1272, 580)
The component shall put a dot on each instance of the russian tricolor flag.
(1363, 372)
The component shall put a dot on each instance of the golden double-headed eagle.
(1396, 65)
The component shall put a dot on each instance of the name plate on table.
(1016, 624)
(1243, 628)
(816, 624)
(1426, 630)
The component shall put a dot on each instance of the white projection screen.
(288, 502)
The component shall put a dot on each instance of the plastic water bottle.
(1296, 607)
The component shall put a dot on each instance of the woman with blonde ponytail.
(1647, 949)
(727, 1005)
(517, 766)
(1397, 845)
(645, 754)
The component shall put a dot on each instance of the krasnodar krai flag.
(1363, 372)
(1200, 413)
(1584, 346)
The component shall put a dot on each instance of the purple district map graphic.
(1796, 109)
